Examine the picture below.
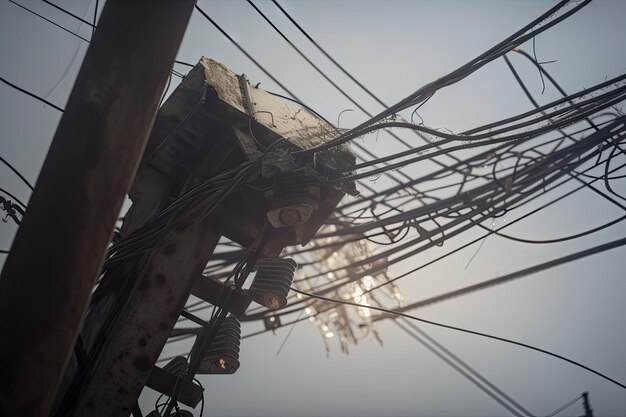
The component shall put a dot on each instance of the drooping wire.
(28, 93)
(49, 21)
(18, 173)
(461, 367)
(564, 406)
(468, 331)
(67, 12)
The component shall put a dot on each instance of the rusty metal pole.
(59, 248)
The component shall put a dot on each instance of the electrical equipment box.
(214, 121)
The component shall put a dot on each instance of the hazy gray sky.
(393, 47)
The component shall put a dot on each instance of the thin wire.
(466, 366)
(372, 95)
(468, 331)
(513, 41)
(563, 407)
(72, 59)
(457, 368)
(28, 93)
(49, 21)
(482, 242)
(206, 16)
(12, 168)
(293, 326)
(395, 136)
(68, 13)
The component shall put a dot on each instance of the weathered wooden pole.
(59, 248)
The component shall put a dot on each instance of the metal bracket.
(164, 382)
(216, 293)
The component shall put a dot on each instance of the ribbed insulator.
(177, 366)
(222, 356)
(272, 282)
(291, 188)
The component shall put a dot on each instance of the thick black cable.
(412, 214)
(536, 104)
(187, 64)
(468, 162)
(446, 254)
(510, 277)
(346, 95)
(465, 70)
(490, 232)
(327, 78)
(508, 224)
(612, 98)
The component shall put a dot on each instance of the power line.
(69, 13)
(468, 331)
(319, 71)
(12, 168)
(545, 21)
(564, 406)
(265, 71)
(508, 224)
(392, 134)
(466, 366)
(489, 232)
(49, 21)
(510, 277)
(243, 51)
(336, 86)
(327, 55)
(28, 93)
(460, 370)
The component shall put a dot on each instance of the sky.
(393, 47)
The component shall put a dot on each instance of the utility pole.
(59, 248)
(587, 405)
(213, 124)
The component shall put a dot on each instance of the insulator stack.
(177, 366)
(222, 356)
(294, 198)
(272, 282)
